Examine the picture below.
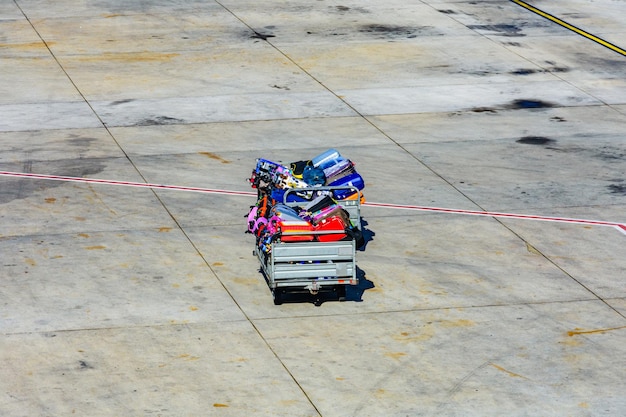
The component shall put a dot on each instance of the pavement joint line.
(432, 309)
(570, 27)
(618, 226)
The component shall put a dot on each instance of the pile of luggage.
(299, 201)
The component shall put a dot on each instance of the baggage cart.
(313, 267)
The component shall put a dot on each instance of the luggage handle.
(312, 232)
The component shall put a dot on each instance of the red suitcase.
(334, 228)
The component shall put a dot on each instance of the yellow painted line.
(570, 27)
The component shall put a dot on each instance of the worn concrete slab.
(618, 304)
(274, 136)
(257, 106)
(512, 124)
(39, 146)
(130, 301)
(178, 73)
(394, 363)
(609, 24)
(213, 367)
(45, 116)
(585, 254)
(62, 207)
(450, 98)
(522, 183)
(40, 9)
(97, 295)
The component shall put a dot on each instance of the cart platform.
(312, 266)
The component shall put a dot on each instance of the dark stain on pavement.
(610, 154)
(484, 110)
(529, 104)
(20, 188)
(529, 71)
(524, 71)
(536, 140)
(500, 29)
(346, 9)
(159, 120)
(262, 36)
(392, 31)
(619, 189)
(118, 102)
(515, 105)
(81, 141)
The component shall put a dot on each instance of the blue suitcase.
(278, 194)
(325, 158)
(353, 180)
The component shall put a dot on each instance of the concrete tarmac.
(121, 301)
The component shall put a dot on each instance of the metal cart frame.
(312, 266)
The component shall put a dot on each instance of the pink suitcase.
(349, 170)
(334, 210)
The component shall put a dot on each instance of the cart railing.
(351, 206)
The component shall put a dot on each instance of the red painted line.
(619, 226)
(126, 183)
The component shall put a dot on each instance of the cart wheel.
(341, 293)
(278, 296)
